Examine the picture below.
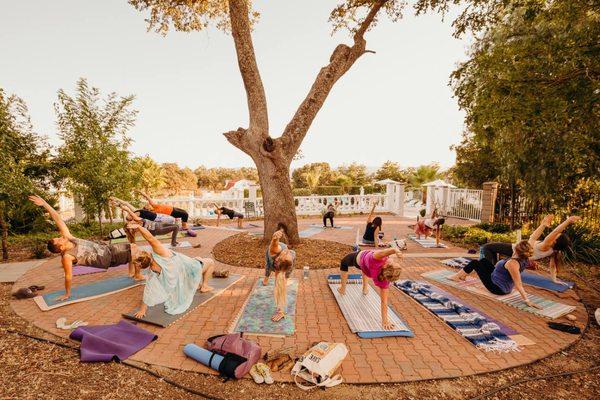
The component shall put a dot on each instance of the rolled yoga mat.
(363, 313)
(550, 309)
(86, 292)
(203, 356)
(528, 278)
(255, 315)
(156, 315)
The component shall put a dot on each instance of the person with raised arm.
(74, 251)
(373, 228)
(378, 266)
(172, 278)
(169, 210)
(230, 213)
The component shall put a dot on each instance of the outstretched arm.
(121, 202)
(380, 254)
(546, 221)
(370, 217)
(384, 310)
(513, 268)
(67, 264)
(157, 246)
(274, 246)
(552, 236)
(149, 199)
(60, 224)
(128, 211)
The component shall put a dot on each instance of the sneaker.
(256, 375)
(265, 372)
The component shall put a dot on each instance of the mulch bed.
(244, 250)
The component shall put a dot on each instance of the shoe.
(256, 375)
(265, 372)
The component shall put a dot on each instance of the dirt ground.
(33, 370)
(244, 250)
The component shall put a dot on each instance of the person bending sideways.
(553, 246)
(329, 214)
(173, 278)
(145, 214)
(74, 251)
(502, 278)
(373, 229)
(377, 265)
(155, 228)
(230, 213)
(426, 227)
(169, 210)
(279, 259)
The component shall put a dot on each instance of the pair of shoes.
(261, 374)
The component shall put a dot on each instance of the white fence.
(453, 202)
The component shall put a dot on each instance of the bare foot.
(456, 278)
(278, 316)
(365, 290)
(265, 281)
(341, 290)
(139, 277)
(205, 288)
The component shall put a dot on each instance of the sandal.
(265, 372)
(256, 375)
(220, 274)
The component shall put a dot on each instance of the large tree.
(273, 156)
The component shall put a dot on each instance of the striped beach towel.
(473, 326)
(550, 309)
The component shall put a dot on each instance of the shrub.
(476, 236)
(301, 192)
(329, 190)
(494, 227)
(454, 232)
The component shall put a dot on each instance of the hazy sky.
(394, 105)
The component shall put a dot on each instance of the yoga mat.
(363, 313)
(203, 356)
(345, 228)
(255, 316)
(85, 270)
(427, 243)
(86, 292)
(310, 231)
(159, 237)
(156, 315)
(528, 278)
(104, 343)
(473, 326)
(550, 309)
(182, 245)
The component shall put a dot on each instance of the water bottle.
(305, 272)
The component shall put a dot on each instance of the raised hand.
(573, 218)
(37, 200)
(547, 221)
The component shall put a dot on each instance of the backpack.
(318, 365)
(240, 354)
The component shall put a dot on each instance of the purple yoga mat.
(85, 270)
(104, 343)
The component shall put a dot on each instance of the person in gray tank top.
(76, 251)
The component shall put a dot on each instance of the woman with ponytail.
(379, 266)
(279, 259)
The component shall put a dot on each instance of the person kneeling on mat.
(74, 251)
(502, 278)
(373, 234)
(377, 265)
(173, 277)
(170, 210)
(154, 227)
(230, 213)
(553, 246)
(279, 259)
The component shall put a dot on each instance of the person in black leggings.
(329, 214)
(490, 251)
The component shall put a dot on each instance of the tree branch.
(342, 58)
(255, 92)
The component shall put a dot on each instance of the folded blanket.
(104, 343)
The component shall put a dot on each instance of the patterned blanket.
(474, 327)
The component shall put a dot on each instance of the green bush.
(329, 190)
(494, 227)
(369, 189)
(454, 232)
(476, 236)
(301, 192)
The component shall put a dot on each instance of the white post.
(430, 200)
(389, 197)
(444, 207)
(400, 199)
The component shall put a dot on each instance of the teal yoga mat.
(255, 316)
(86, 292)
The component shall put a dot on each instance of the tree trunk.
(4, 228)
(278, 200)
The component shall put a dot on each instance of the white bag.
(318, 365)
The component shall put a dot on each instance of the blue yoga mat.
(544, 282)
(86, 292)
(310, 232)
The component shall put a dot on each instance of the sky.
(393, 105)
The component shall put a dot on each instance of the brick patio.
(436, 351)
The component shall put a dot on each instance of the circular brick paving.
(436, 351)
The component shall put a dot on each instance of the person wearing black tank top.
(373, 229)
